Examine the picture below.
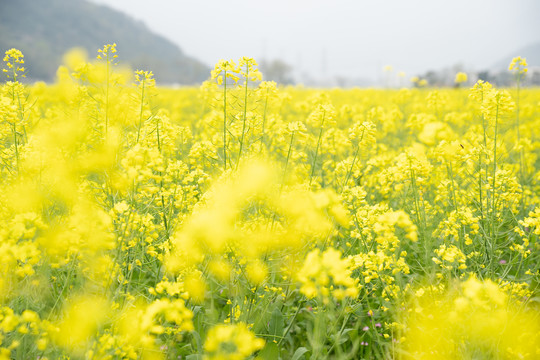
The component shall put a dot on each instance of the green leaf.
(198, 341)
(299, 353)
(353, 334)
(275, 327)
(269, 352)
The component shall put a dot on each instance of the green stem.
(347, 177)
(14, 127)
(493, 204)
(245, 116)
(264, 116)
(157, 134)
(225, 120)
(287, 161)
(452, 183)
(290, 324)
(15, 141)
(317, 150)
(141, 112)
(107, 98)
(521, 156)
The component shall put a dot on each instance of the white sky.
(351, 38)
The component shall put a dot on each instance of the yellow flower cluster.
(471, 319)
(27, 324)
(461, 77)
(449, 257)
(327, 275)
(14, 60)
(231, 342)
(519, 65)
(108, 53)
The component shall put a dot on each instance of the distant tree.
(504, 78)
(341, 81)
(432, 78)
(277, 70)
(484, 76)
(535, 78)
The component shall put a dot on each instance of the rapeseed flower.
(473, 318)
(326, 275)
(14, 60)
(461, 77)
(231, 342)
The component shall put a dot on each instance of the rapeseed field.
(244, 220)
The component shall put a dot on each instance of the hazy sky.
(352, 38)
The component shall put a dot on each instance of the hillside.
(530, 52)
(45, 29)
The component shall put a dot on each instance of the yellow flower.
(108, 53)
(461, 77)
(144, 78)
(231, 342)
(82, 317)
(14, 60)
(518, 65)
(471, 319)
(327, 273)
(227, 68)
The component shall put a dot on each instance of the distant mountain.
(45, 29)
(531, 52)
